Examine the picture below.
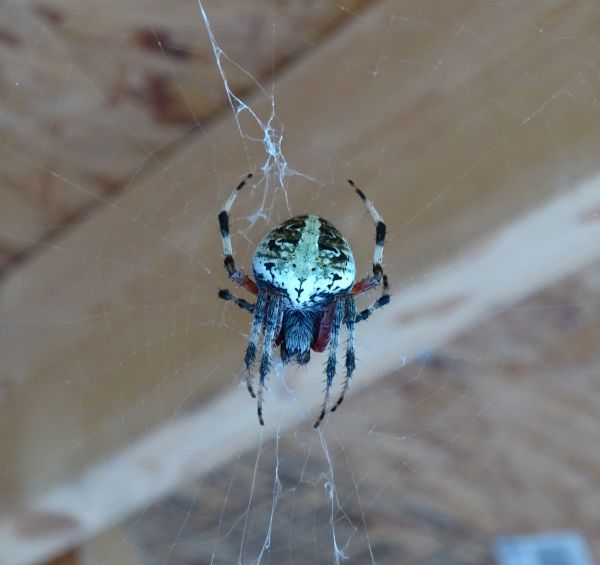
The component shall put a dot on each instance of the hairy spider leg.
(350, 320)
(378, 275)
(380, 229)
(334, 338)
(236, 275)
(260, 309)
(380, 302)
(272, 323)
(243, 304)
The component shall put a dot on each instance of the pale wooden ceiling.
(94, 95)
(469, 123)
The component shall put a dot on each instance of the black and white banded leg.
(350, 320)
(243, 304)
(260, 310)
(236, 275)
(378, 277)
(334, 339)
(380, 231)
(272, 324)
(379, 303)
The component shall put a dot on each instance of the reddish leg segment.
(242, 279)
(322, 339)
(365, 284)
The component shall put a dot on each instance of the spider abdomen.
(307, 259)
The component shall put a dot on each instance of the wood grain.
(95, 95)
(495, 433)
(70, 558)
(114, 345)
(192, 442)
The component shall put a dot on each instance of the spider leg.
(273, 322)
(322, 339)
(236, 275)
(260, 309)
(378, 275)
(243, 304)
(350, 320)
(334, 338)
(379, 303)
(380, 230)
(376, 278)
(366, 284)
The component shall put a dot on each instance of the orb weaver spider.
(305, 290)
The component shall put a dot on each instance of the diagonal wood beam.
(117, 357)
(544, 246)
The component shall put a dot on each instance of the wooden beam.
(513, 264)
(70, 558)
(117, 356)
(94, 95)
(492, 434)
(111, 546)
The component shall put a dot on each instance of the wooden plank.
(70, 558)
(93, 94)
(493, 434)
(112, 546)
(507, 268)
(112, 332)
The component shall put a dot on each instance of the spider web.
(418, 467)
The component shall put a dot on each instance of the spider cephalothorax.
(305, 289)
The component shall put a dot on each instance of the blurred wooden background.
(475, 128)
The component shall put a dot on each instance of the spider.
(305, 291)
